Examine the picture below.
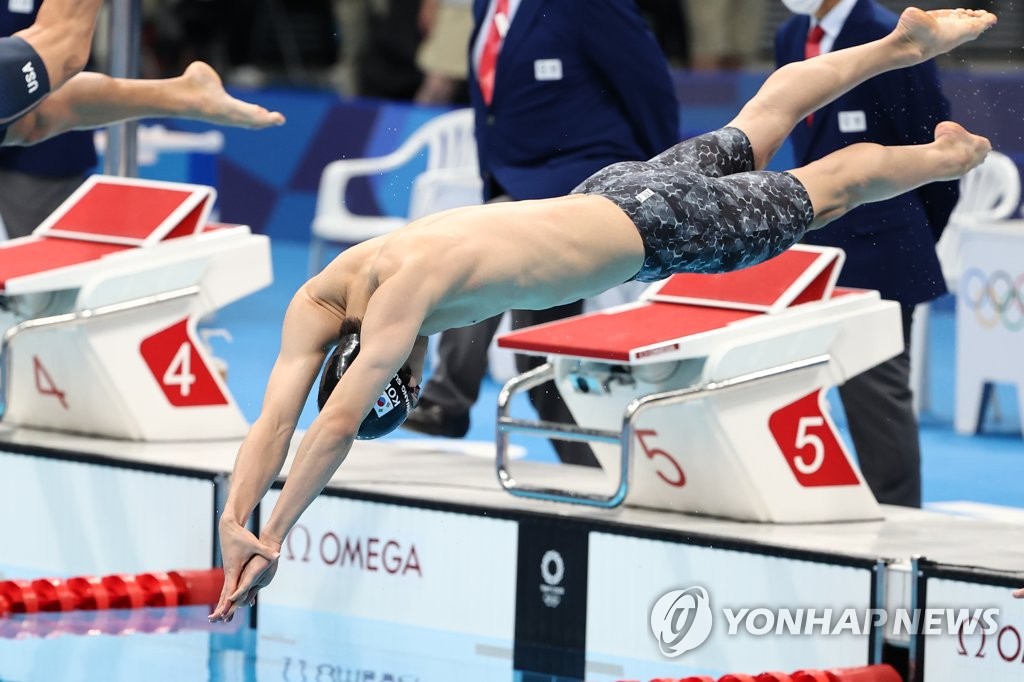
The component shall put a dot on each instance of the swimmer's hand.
(256, 575)
(1019, 594)
(249, 565)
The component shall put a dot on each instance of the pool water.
(291, 645)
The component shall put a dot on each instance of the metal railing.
(624, 437)
(124, 30)
(73, 318)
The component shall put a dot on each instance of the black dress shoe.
(430, 419)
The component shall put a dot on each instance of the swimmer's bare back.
(480, 261)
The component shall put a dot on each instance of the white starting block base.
(106, 297)
(708, 395)
(430, 540)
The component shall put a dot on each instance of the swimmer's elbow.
(338, 427)
(332, 449)
(272, 430)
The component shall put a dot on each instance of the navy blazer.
(890, 245)
(614, 100)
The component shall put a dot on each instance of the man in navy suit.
(890, 245)
(560, 90)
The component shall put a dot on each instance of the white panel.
(417, 567)
(966, 655)
(988, 317)
(65, 518)
(629, 575)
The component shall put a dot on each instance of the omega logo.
(372, 554)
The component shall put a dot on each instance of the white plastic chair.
(990, 192)
(154, 140)
(451, 177)
(443, 188)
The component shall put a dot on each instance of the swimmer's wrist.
(271, 536)
(272, 540)
(236, 511)
(229, 518)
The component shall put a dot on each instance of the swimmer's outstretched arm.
(92, 100)
(390, 330)
(307, 332)
(390, 333)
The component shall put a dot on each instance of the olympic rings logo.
(995, 298)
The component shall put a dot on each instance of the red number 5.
(678, 479)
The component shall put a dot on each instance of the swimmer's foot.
(961, 150)
(208, 101)
(929, 34)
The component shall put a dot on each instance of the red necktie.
(812, 48)
(489, 55)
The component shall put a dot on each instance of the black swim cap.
(389, 411)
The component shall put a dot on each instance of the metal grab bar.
(624, 437)
(78, 316)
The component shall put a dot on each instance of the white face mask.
(808, 7)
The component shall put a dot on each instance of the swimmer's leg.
(732, 222)
(92, 100)
(796, 90)
(721, 152)
(863, 173)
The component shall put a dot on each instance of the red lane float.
(87, 593)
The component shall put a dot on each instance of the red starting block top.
(107, 215)
(120, 211)
(130, 211)
(799, 275)
(612, 336)
(35, 254)
(686, 306)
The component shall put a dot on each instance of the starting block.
(102, 305)
(707, 396)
